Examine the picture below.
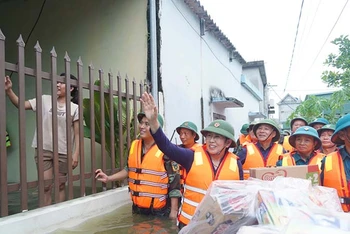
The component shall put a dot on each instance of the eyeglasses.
(214, 137)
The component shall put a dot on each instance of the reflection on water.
(14, 198)
(123, 221)
(14, 201)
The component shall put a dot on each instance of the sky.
(266, 30)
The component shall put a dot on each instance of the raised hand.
(150, 110)
(8, 83)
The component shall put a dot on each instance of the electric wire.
(308, 31)
(329, 34)
(36, 22)
(281, 98)
(313, 19)
(295, 41)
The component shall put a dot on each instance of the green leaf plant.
(107, 127)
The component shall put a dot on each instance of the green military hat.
(319, 121)
(329, 127)
(273, 124)
(160, 118)
(244, 129)
(342, 123)
(222, 128)
(251, 125)
(190, 126)
(305, 130)
(295, 119)
(286, 132)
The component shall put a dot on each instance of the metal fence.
(118, 141)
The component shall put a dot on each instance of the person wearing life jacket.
(209, 162)
(325, 133)
(318, 123)
(242, 139)
(283, 134)
(8, 142)
(335, 167)
(266, 151)
(244, 133)
(153, 185)
(295, 123)
(189, 137)
(305, 140)
(251, 138)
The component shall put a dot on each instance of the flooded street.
(122, 221)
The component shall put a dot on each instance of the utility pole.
(269, 103)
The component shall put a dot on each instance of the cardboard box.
(309, 172)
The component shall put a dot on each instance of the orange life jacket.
(255, 159)
(248, 140)
(286, 144)
(200, 177)
(288, 159)
(148, 180)
(183, 170)
(334, 176)
(317, 159)
(242, 139)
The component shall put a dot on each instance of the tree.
(338, 76)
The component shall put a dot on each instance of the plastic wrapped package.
(226, 207)
(326, 198)
(229, 205)
(318, 196)
(259, 229)
(320, 221)
(275, 206)
(297, 226)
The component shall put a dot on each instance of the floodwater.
(122, 221)
(14, 199)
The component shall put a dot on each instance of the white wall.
(254, 76)
(191, 65)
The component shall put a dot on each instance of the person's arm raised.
(12, 96)
(150, 110)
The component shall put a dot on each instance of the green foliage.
(107, 126)
(311, 108)
(339, 76)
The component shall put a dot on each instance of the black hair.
(74, 93)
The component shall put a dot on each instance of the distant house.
(286, 106)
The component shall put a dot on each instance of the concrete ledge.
(65, 214)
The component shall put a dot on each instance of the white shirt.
(61, 124)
